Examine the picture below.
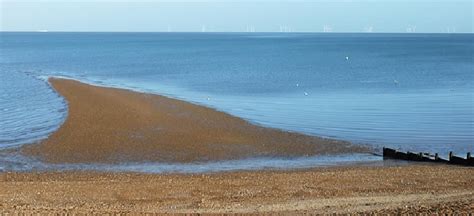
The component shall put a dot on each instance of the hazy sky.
(238, 15)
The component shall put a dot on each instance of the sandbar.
(110, 125)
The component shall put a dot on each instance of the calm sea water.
(408, 91)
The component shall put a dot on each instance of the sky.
(437, 16)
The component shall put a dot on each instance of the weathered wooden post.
(436, 156)
(450, 155)
(469, 160)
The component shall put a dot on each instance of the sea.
(412, 92)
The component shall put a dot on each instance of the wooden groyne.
(389, 153)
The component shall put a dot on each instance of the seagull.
(305, 93)
(396, 82)
(347, 57)
(297, 84)
(208, 98)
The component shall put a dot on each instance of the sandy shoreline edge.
(111, 125)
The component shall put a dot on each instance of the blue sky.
(235, 16)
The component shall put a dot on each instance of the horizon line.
(322, 32)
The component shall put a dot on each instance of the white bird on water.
(297, 84)
(347, 57)
(396, 82)
(305, 93)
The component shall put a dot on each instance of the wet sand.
(412, 189)
(109, 125)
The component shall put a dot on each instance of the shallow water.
(13, 162)
(29, 109)
(407, 91)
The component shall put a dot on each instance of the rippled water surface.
(408, 91)
(29, 109)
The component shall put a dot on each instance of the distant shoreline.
(109, 125)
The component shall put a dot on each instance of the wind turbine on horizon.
(327, 28)
(369, 29)
(284, 28)
(250, 28)
(411, 29)
(451, 30)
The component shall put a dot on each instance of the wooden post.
(436, 156)
(468, 155)
(450, 155)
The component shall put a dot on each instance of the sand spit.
(109, 125)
